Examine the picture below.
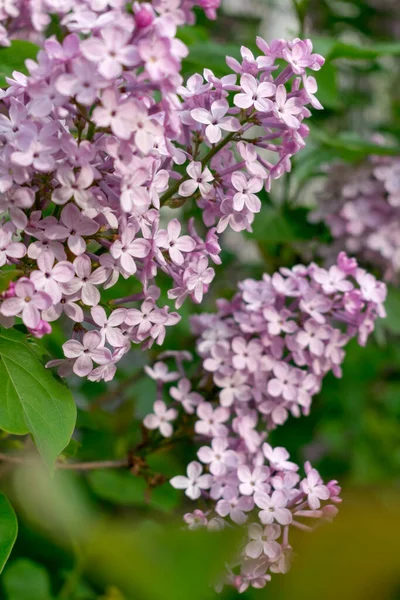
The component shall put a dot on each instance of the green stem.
(165, 197)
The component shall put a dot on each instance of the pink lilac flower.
(263, 541)
(273, 508)
(194, 482)
(50, 277)
(255, 94)
(216, 120)
(86, 352)
(315, 490)
(246, 190)
(161, 418)
(8, 248)
(27, 302)
(199, 178)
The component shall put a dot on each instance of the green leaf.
(168, 562)
(8, 530)
(392, 305)
(332, 49)
(328, 91)
(350, 51)
(26, 580)
(120, 487)
(33, 401)
(350, 146)
(272, 226)
(7, 274)
(13, 58)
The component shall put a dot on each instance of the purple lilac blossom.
(264, 356)
(94, 141)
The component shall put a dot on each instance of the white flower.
(194, 482)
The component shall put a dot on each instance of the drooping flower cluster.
(361, 207)
(264, 355)
(100, 137)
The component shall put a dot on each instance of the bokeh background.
(353, 432)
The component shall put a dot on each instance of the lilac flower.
(66, 305)
(254, 94)
(109, 327)
(128, 248)
(85, 353)
(278, 458)
(216, 120)
(246, 190)
(183, 394)
(253, 481)
(199, 179)
(36, 146)
(199, 277)
(115, 113)
(8, 248)
(27, 302)
(219, 457)
(85, 281)
(82, 83)
(263, 541)
(160, 372)
(16, 201)
(175, 245)
(161, 418)
(234, 387)
(234, 505)
(194, 482)
(145, 318)
(211, 421)
(273, 508)
(112, 51)
(72, 185)
(246, 355)
(313, 336)
(286, 109)
(50, 277)
(74, 226)
(312, 486)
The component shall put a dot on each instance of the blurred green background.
(99, 535)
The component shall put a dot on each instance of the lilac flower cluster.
(264, 355)
(100, 137)
(361, 207)
(30, 19)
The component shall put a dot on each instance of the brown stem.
(82, 466)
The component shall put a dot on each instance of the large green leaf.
(8, 530)
(26, 580)
(32, 400)
(13, 58)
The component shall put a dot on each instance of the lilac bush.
(103, 145)
(264, 355)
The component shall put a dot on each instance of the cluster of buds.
(263, 356)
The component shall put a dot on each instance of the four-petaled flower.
(195, 481)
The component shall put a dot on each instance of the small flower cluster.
(361, 207)
(100, 137)
(264, 355)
